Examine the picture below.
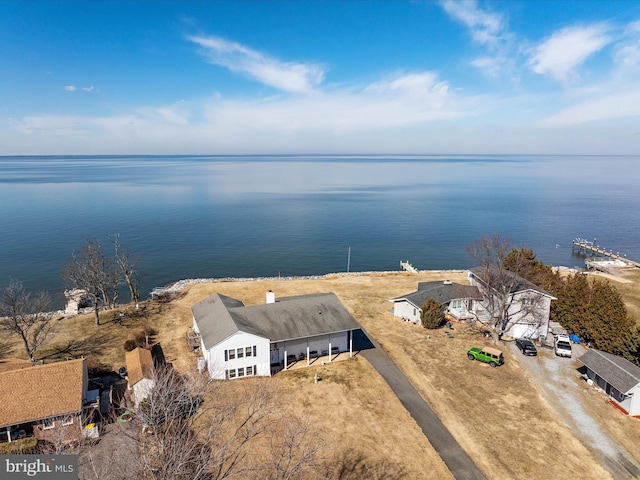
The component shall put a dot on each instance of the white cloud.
(627, 53)
(490, 66)
(286, 76)
(620, 104)
(486, 28)
(88, 89)
(567, 49)
(382, 111)
(70, 88)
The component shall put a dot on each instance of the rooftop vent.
(448, 282)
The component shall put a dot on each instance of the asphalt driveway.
(456, 459)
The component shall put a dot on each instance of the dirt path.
(558, 381)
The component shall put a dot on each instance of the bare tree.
(295, 448)
(93, 272)
(507, 296)
(197, 428)
(127, 262)
(26, 316)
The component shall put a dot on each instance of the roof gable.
(616, 371)
(289, 318)
(213, 319)
(139, 365)
(43, 391)
(442, 292)
(519, 284)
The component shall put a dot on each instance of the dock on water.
(590, 248)
(407, 267)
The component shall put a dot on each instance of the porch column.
(307, 353)
(350, 343)
(9, 433)
(285, 357)
(330, 354)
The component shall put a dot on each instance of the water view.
(216, 216)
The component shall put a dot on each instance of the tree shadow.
(76, 348)
(352, 465)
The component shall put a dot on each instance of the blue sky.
(236, 77)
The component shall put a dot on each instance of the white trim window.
(240, 352)
(241, 372)
(48, 423)
(68, 420)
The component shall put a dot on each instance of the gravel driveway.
(558, 379)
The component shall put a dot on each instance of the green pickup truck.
(487, 355)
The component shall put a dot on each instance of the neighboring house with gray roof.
(239, 341)
(617, 376)
(460, 301)
(528, 305)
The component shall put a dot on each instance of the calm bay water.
(191, 217)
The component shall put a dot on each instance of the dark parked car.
(526, 346)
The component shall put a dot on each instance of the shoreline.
(179, 285)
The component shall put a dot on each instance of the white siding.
(218, 366)
(406, 310)
(142, 389)
(634, 404)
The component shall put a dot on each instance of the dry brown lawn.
(497, 415)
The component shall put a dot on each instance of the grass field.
(498, 415)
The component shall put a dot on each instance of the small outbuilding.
(140, 373)
(616, 376)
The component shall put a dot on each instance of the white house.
(528, 305)
(140, 373)
(239, 341)
(617, 376)
(460, 301)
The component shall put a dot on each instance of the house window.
(241, 372)
(249, 371)
(231, 373)
(456, 304)
(67, 420)
(247, 351)
(240, 352)
(232, 354)
(48, 423)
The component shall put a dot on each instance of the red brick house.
(46, 401)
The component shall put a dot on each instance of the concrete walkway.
(456, 459)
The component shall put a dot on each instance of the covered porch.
(317, 350)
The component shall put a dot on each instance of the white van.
(562, 346)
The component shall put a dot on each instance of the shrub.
(95, 367)
(22, 446)
(432, 314)
(130, 345)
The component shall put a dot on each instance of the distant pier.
(590, 248)
(407, 267)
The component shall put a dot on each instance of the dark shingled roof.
(520, 284)
(442, 292)
(218, 317)
(616, 371)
